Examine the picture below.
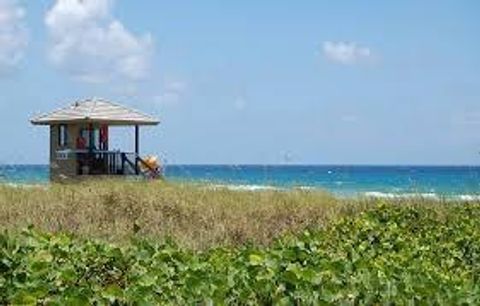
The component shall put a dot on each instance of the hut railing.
(99, 162)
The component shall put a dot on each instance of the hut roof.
(95, 110)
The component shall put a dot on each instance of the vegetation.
(195, 216)
(330, 251)
(403, 254)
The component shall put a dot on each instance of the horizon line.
(289, 165)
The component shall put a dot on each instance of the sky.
(252, 82)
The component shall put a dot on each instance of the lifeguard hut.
(79, 141)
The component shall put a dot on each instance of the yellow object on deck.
(151, 162)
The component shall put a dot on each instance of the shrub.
(406, 254)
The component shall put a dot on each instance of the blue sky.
(311, 82)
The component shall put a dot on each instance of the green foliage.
(390, 253)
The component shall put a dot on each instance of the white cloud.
(13, 34)
(346, 52)
(93, 46)
(173, 92)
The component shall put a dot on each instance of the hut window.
(62, 135)
(91, 143)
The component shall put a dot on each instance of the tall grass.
(196, 216)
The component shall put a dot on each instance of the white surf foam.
(390, 195)
(430, 196)
(22, 185)
(468, 197)
(245, 187)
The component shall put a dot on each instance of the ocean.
(461, 182)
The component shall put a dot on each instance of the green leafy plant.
(402, 254)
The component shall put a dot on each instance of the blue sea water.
(429, 181)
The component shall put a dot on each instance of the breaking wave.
(429, 196)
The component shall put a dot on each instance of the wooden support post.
(90, 137)
(137, 149)
(124, 157)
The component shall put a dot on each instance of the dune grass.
(195, 216)
(232, 247)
